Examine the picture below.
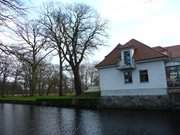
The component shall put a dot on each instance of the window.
(127, 58)
(143, 76)
(174, 73)
(173, 76)
(128, 76)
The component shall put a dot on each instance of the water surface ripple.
(36, 120)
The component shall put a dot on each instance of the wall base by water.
(135, 92)
(136, 102)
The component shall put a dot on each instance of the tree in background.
(5, 71)
(47, 78)
(16, 75)
(89, 75)
(30, 49)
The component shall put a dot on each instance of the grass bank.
(87, 100)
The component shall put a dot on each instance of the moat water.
(36, 120)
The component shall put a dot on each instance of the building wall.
(112, 81)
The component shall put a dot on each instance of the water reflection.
(34, 120)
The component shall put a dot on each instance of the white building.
(137, 69)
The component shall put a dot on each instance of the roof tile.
(174, 51)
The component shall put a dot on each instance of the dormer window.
(127, 57)
(127, 61)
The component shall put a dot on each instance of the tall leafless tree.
(52, 22)
(83, 31)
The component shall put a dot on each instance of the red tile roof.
(174, 51)
(112, 58)
(141, 52)
(162, 50)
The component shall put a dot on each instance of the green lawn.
(88, 95)
(89, 100)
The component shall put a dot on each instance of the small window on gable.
(143, 76)
(128, 76)
(127, 57)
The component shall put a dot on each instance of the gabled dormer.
(126, 59)
(125, 56)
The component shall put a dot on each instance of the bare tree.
(31, 49)
(51, 79)
(52, 22)
(46, 80)
(25, 77)
(89, 75)
(16, 75)
(82, 32)
(5, 70)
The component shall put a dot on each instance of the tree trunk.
(3, 85)
(15, 84)
(48, 90)
(60, 75)
(77, 81)
(33, 82)
(39, 84)
(39, 89)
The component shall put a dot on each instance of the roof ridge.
(160, 47)
(150, 48)
(171, 46)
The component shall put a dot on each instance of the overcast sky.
(153, 22)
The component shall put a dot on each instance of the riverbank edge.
(159, 103)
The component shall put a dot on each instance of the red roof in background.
(174, 51)
(141, 52)
(160, 49)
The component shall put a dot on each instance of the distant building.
(137, 69)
